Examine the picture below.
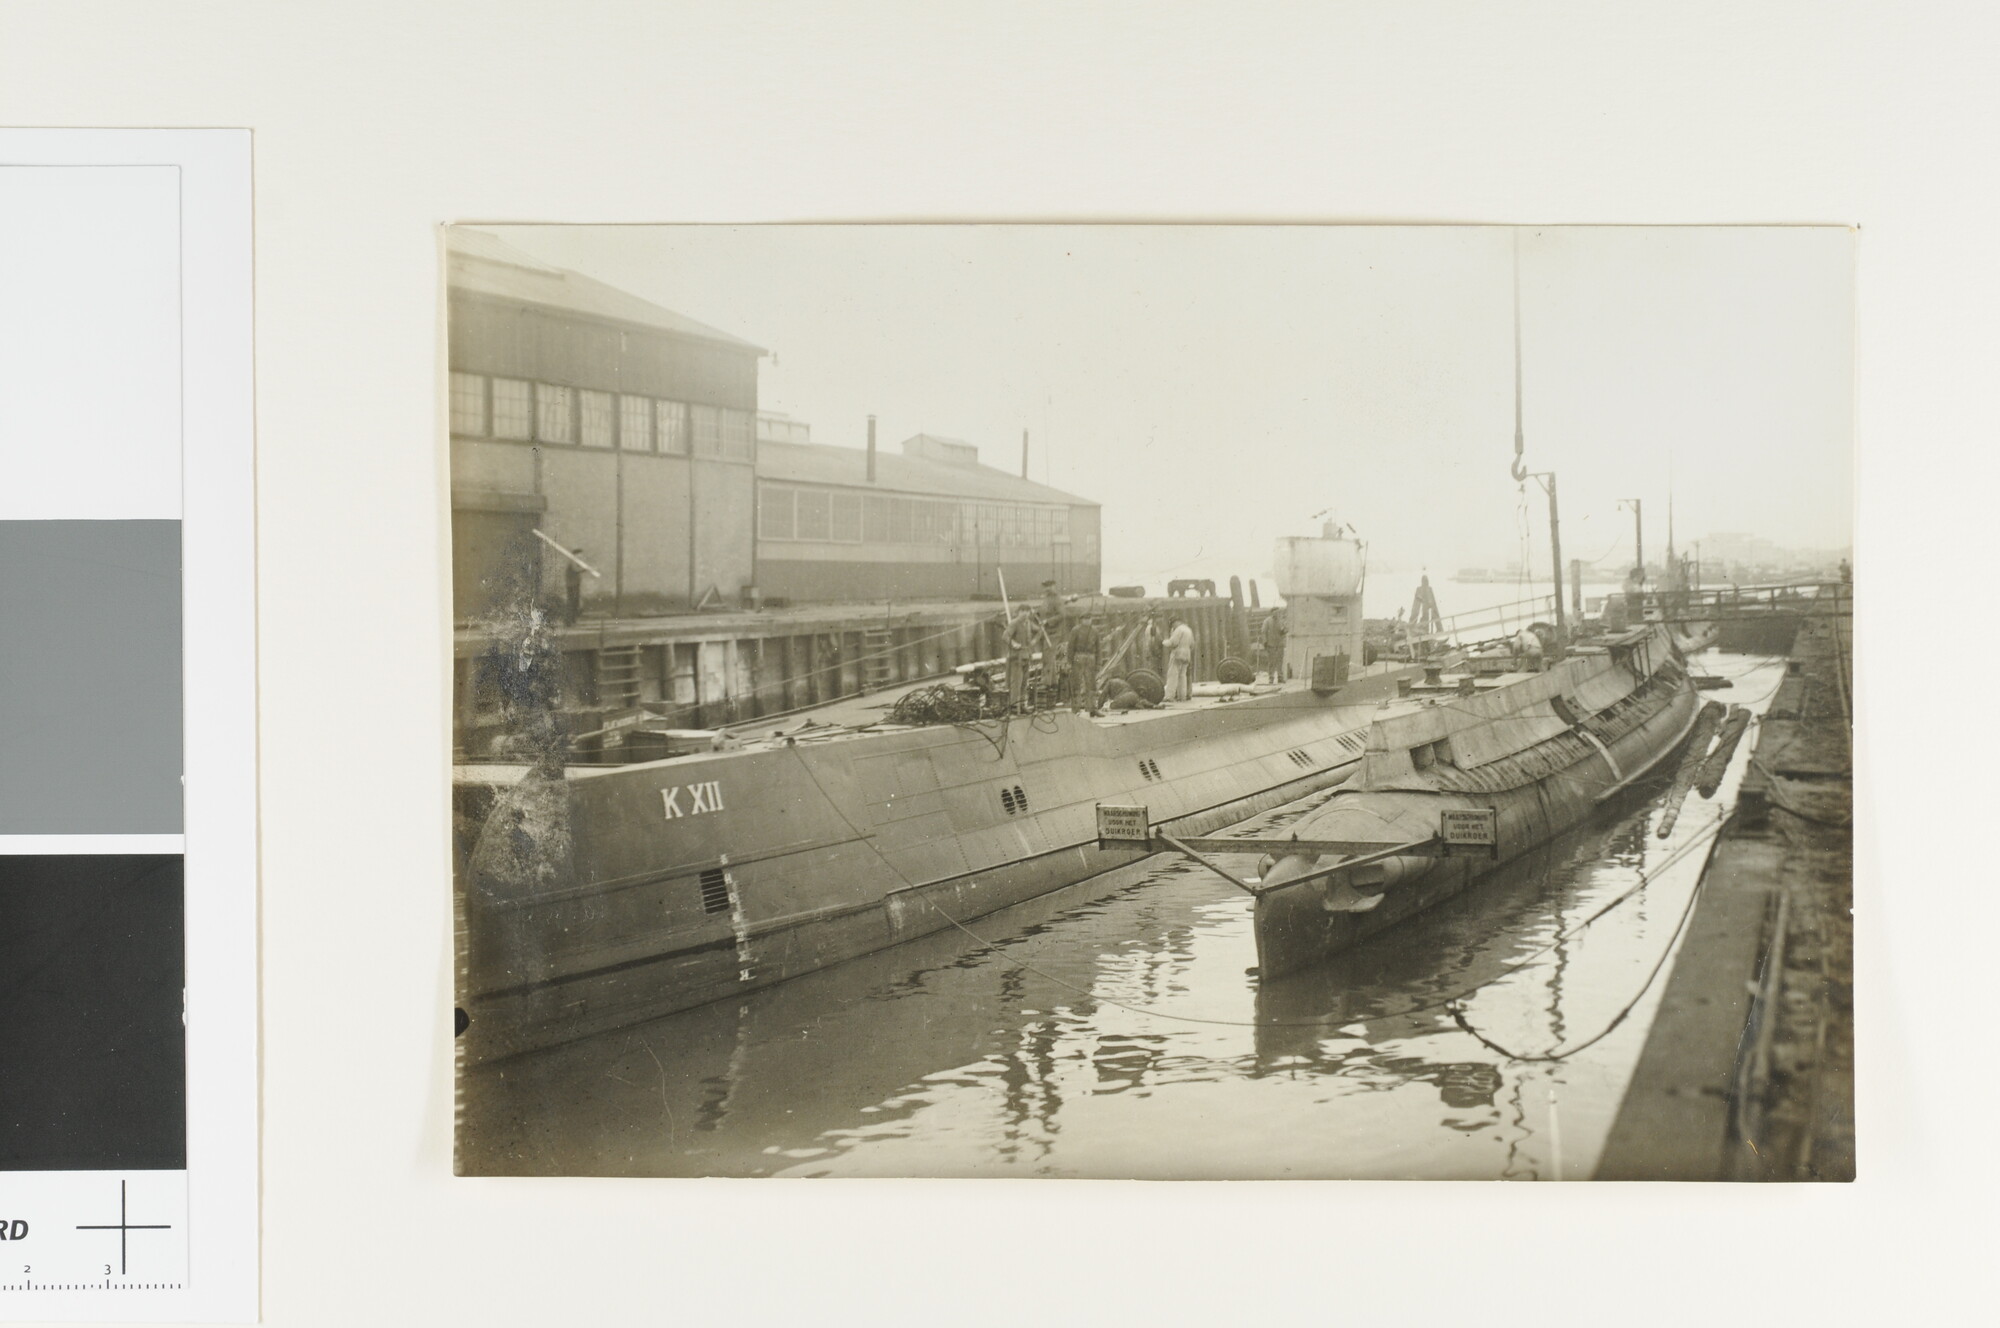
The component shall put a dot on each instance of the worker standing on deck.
(1180, 662)
(1274, 645)
(1056, 659)
(1147, 648)
(1021, 634)
(1528, 645)
(1083, 652)
(573, 586)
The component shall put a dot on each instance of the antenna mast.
(1520, 442)
(1546, 478)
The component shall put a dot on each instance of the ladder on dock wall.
(618, 676)
(878, 658)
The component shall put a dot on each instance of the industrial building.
(585, 419)
(928, 522)
(602, 421)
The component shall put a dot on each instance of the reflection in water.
(943, 1057)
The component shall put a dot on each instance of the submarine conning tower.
(1320, 578)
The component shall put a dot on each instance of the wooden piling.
(1717, 763)
(1697, 752)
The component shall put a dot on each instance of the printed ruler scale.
(92, 1231)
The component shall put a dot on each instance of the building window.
(594, 419)
(513, 409)
(673, 427)
(555, 414)
(774, 513)
(468, 404)
(635, 424)
(739, 433)
(815, 514)
(707, 430)
(847, 518)
(1059, 525)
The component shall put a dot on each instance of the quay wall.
(717, 669)
(1748, 1070)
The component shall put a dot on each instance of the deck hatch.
(714, 891)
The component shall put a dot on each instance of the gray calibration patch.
(90, 677)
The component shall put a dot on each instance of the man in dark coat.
(1083, 653)
(1022, 634)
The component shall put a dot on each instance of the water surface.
(1117, 1029)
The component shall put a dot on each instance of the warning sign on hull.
(1470, 832)
(1123, 827)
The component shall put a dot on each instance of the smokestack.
(1024, 454)
(871, 449)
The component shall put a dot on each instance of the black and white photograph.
(1069, 660)
(1152, 701)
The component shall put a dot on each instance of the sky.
(1215, 387)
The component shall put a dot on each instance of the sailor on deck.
(1053, 632)
(1083, 650)
(1274, 645)
(1147, 651)
(1021, 634)
(1180, 662)
(1528, 645)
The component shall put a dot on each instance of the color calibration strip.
(128, 1162)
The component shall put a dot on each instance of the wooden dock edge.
(1747, 1071)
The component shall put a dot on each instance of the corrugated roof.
(488, 265)
(819, 463)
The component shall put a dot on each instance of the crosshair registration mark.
(122, 1227)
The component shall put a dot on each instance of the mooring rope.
(1456, 1009)
(1445, 1003)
